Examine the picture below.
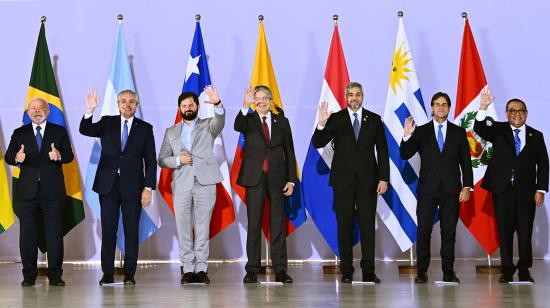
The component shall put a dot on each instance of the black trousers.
(348, 200)
(515, 212)
(425, 212)
(111, 205)
(255, 199)
(29, 213)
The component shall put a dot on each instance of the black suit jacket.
(280, 151)
(137, 163)
(440, 168)
(355, 157)
(37, 163)
(530, 168)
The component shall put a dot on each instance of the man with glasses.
(125, 177)
(268, 170)
(517, 176)
(444, 155)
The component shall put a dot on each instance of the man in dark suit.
(517, 176)
(268, 170)
(444, 155)
(125, 177)
(39, 149)
(357, 175)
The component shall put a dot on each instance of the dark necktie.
(440, 140)
(517, 141)
(124, 135)
(38, 138)
(268, 140)
(356, 126)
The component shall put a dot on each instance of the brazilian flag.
(43, 84)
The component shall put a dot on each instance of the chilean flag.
(197, 78)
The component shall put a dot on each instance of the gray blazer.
(205, 165)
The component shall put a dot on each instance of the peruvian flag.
(476, 214)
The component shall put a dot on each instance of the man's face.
(440, 109)
(127, 105)
(354, 98)
(262, 101)
(189, 109)
(38, 111)
(516, 113)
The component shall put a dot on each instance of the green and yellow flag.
(6, 211)
(43, 84)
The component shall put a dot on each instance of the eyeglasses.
(516, 111)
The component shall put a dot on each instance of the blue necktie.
(440, 140)
(38, 138)
(124, 135)
(517, 141)
(356, 126)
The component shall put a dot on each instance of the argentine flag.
(397, 207)
(120, 78)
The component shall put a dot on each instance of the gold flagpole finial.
(335, 18)
(464, 15)
(43, 19)
(119, 17)
(260, 18)
(198, 17)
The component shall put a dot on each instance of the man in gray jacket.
(188, 149)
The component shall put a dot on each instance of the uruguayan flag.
(397, 207)
(120, 78)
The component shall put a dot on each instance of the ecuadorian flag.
(42, 84)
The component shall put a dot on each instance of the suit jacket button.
(121, 156)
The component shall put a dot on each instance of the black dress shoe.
(371, 277)
(27, 283)
(188, 277)
(250, 278)
(450, 277)
(106, 279)
(524, 275)
(283, 277)
(347, 278)
(57, 282)
(506, 278)
(202, 277)
(421, 277)
(129, 280)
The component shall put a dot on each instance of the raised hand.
(54, 153)
(324, 114)
(486, 98)
(20, 156)
(410, 126)
(92, 101)
(248, 97)
(213, 96)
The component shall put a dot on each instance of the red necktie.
(267, 139)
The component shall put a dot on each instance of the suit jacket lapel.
(118, 133)
(362, 123)
(46, 143)
(132, 133)
(433, 137)
(509, 137)
(275, 129)
(31, 136)
(529, 139)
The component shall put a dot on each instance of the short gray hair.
(264, 89)
(39, 99)
(354, 84)
(127, 91)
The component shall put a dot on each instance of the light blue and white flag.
(397, 207)
(120, 79)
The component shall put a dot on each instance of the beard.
(190, 115)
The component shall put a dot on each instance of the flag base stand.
(488, 269)
(407, 269)
(331, 269)
(267, 270)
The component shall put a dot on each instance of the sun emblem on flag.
(399, 67)
(480, 150)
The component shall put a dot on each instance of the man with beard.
(357, 175)
(188, 149)
(125, 177)
(40, 149)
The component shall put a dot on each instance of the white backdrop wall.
(511, 36)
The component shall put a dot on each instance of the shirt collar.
(359, 113)
(436, 124)
(521, 128)
(267, 115)
(43, 126)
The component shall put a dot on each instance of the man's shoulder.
(22, 128)
(143, 123)
(533, 131)
(55, 127)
